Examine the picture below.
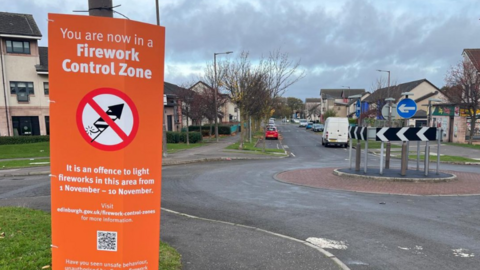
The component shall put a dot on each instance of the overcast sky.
(338, 43)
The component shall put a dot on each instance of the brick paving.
(465, 184)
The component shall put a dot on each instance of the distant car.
(296, 121)
(303, 123)
(317, 127)
(271, 122)
(309, 125)
(271, 133)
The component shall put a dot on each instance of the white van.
(335, 131)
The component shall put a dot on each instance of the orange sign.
(106, 93)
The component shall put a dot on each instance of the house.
(172, 110)
(24, 107)
(313, 110)
(337, 100)
(229, 112)
(421, 91)
(352, 105)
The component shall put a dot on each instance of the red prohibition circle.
(89, 98)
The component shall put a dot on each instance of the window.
(47, 124)
(25, 125)
(46, 88)
(22, 90)
(18, 46)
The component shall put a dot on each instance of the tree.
(313, 110)
(295, 104)
(187, 100)
(329, 113)
(463, 88)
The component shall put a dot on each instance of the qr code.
(107, 241)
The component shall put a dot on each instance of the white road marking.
(461, 252)
(285, 147)
(326, 243)
(277, 146)
(292, 154)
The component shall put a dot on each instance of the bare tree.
(463, 88)
(186, 98)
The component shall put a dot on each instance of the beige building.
(24, 77)
(422, 90)
(229, 111)
(337, 100)
(313, 109)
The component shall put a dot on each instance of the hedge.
(23, 139)
(225, 130)
(181, 137)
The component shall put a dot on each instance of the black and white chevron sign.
(406, 134)
(358, 133)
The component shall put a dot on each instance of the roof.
(170, 88)
(43, 52)
(18, 24)
(474, 56)
(313, 100)
(202, 84)
(339, 93)
(396, 90)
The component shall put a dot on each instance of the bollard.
(403, 170)
(350, 153)
(418, 156)
(366, 157)
(358, 156)
(381, 158)
(427, 158)
(438, 148)
(387, 156)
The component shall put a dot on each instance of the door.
(169, 122)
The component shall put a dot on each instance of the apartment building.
(24, 77)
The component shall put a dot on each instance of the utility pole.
(100, 8)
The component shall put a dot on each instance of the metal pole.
(250, 128)
(404, 157)
(358, 155)
(366, 156)
(429, 113)
(350, 153)
(389, 145)
(438, 148)
(381, 158)
(215, 95)
(408, 153)
(158, 12)
(418, 156)
(427, 158)
(100, 8)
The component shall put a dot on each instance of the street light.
(359, 146)
(348, 107)
(430, 100)
(215, 88)
(389, 119)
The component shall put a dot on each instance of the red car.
(271, 133)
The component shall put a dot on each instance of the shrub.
(23, 139)
(223, 129)
(181, 137)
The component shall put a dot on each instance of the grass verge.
(471, 146)
(444, 158)
(41, 149)
(177, 147)
(9, 164)
(374, 144)
(250, 146)
(25, 237)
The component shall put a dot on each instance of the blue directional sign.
(359, 109)
(406, 108)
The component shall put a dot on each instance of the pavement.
(212, 151)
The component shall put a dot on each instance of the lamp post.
(430, 100)
(359, 146)
(348, 94)
(389, 119)
(215, 88)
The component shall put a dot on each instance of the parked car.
(303, 123)
(296, 121)
(271, 122)
(335, 131)
(309, 125)
(317, 127)
(271, 133)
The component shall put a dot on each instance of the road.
(372, 231)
